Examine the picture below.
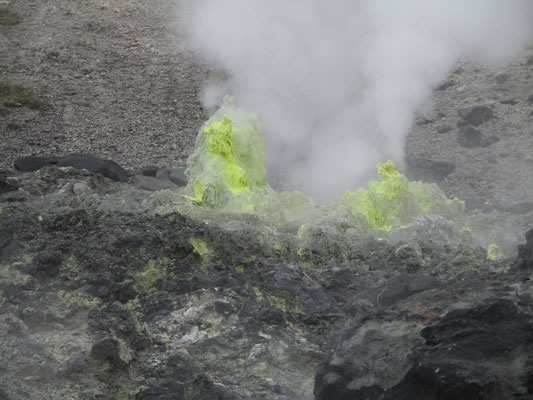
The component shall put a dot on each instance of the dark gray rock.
(149, 170)
(428, 170)
(488, 141)
(530, 99)
(107, 168)
(468, 137)
(509, 100)
(34, 163)
(481, 352)
(444, 128)
(175, 175)
(447, 84)
(152, 184)
(402, 286)
(502, 77)
(3, 395)
(76, 363)
(313, 297)
(7, 184)
(108, 349)
(168, 389)
(524, 261)
(476, 115)
(427, 117)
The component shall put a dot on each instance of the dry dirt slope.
(116, 76)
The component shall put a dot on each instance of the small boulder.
(487, 141)
(502, 77)
(468, 137)
(444, 128)
(7, 184)
(509, 100)
(152, 184)
(400, 287)
(428, 170)
(108, 349)
(167, 389)
(524, 261)
(476, 115)
(175, 175)
(149, 170)
(447, 84)
(81, 188)
(107, 168)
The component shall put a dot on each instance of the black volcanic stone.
(444, 128)
(467, 355)
(468, 137)
(6, 185)
(524, 260)
(107, 168)
(168, 389)
(476, 115)
(428, 170)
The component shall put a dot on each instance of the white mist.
(335, 84)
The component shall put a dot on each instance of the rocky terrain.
(110, 289)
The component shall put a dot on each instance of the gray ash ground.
(117, 78)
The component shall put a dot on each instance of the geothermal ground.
(101, 298)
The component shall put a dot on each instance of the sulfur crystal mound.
(227, 173)
(394, 201)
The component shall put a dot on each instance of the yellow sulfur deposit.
(227, 173)
(395, 201)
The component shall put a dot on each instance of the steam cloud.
(336, 84)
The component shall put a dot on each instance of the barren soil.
(116, 76)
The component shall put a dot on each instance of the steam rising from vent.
(335, 84)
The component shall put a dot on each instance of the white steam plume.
(336, 84)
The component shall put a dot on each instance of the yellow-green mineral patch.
(154, 270)
(227, 173)
(394, 201)
(494, 253)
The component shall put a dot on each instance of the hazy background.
(336, 84)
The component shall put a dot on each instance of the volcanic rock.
(427, 348)
(107, 168)
(524, 260)
(175, 175)
(510, 100)
(444, 128)
(6, 184)
(468, 137)
(149, 170)
(447, 84)
(103, 297)
(476, 115)
(428, 170)
(502, 77)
